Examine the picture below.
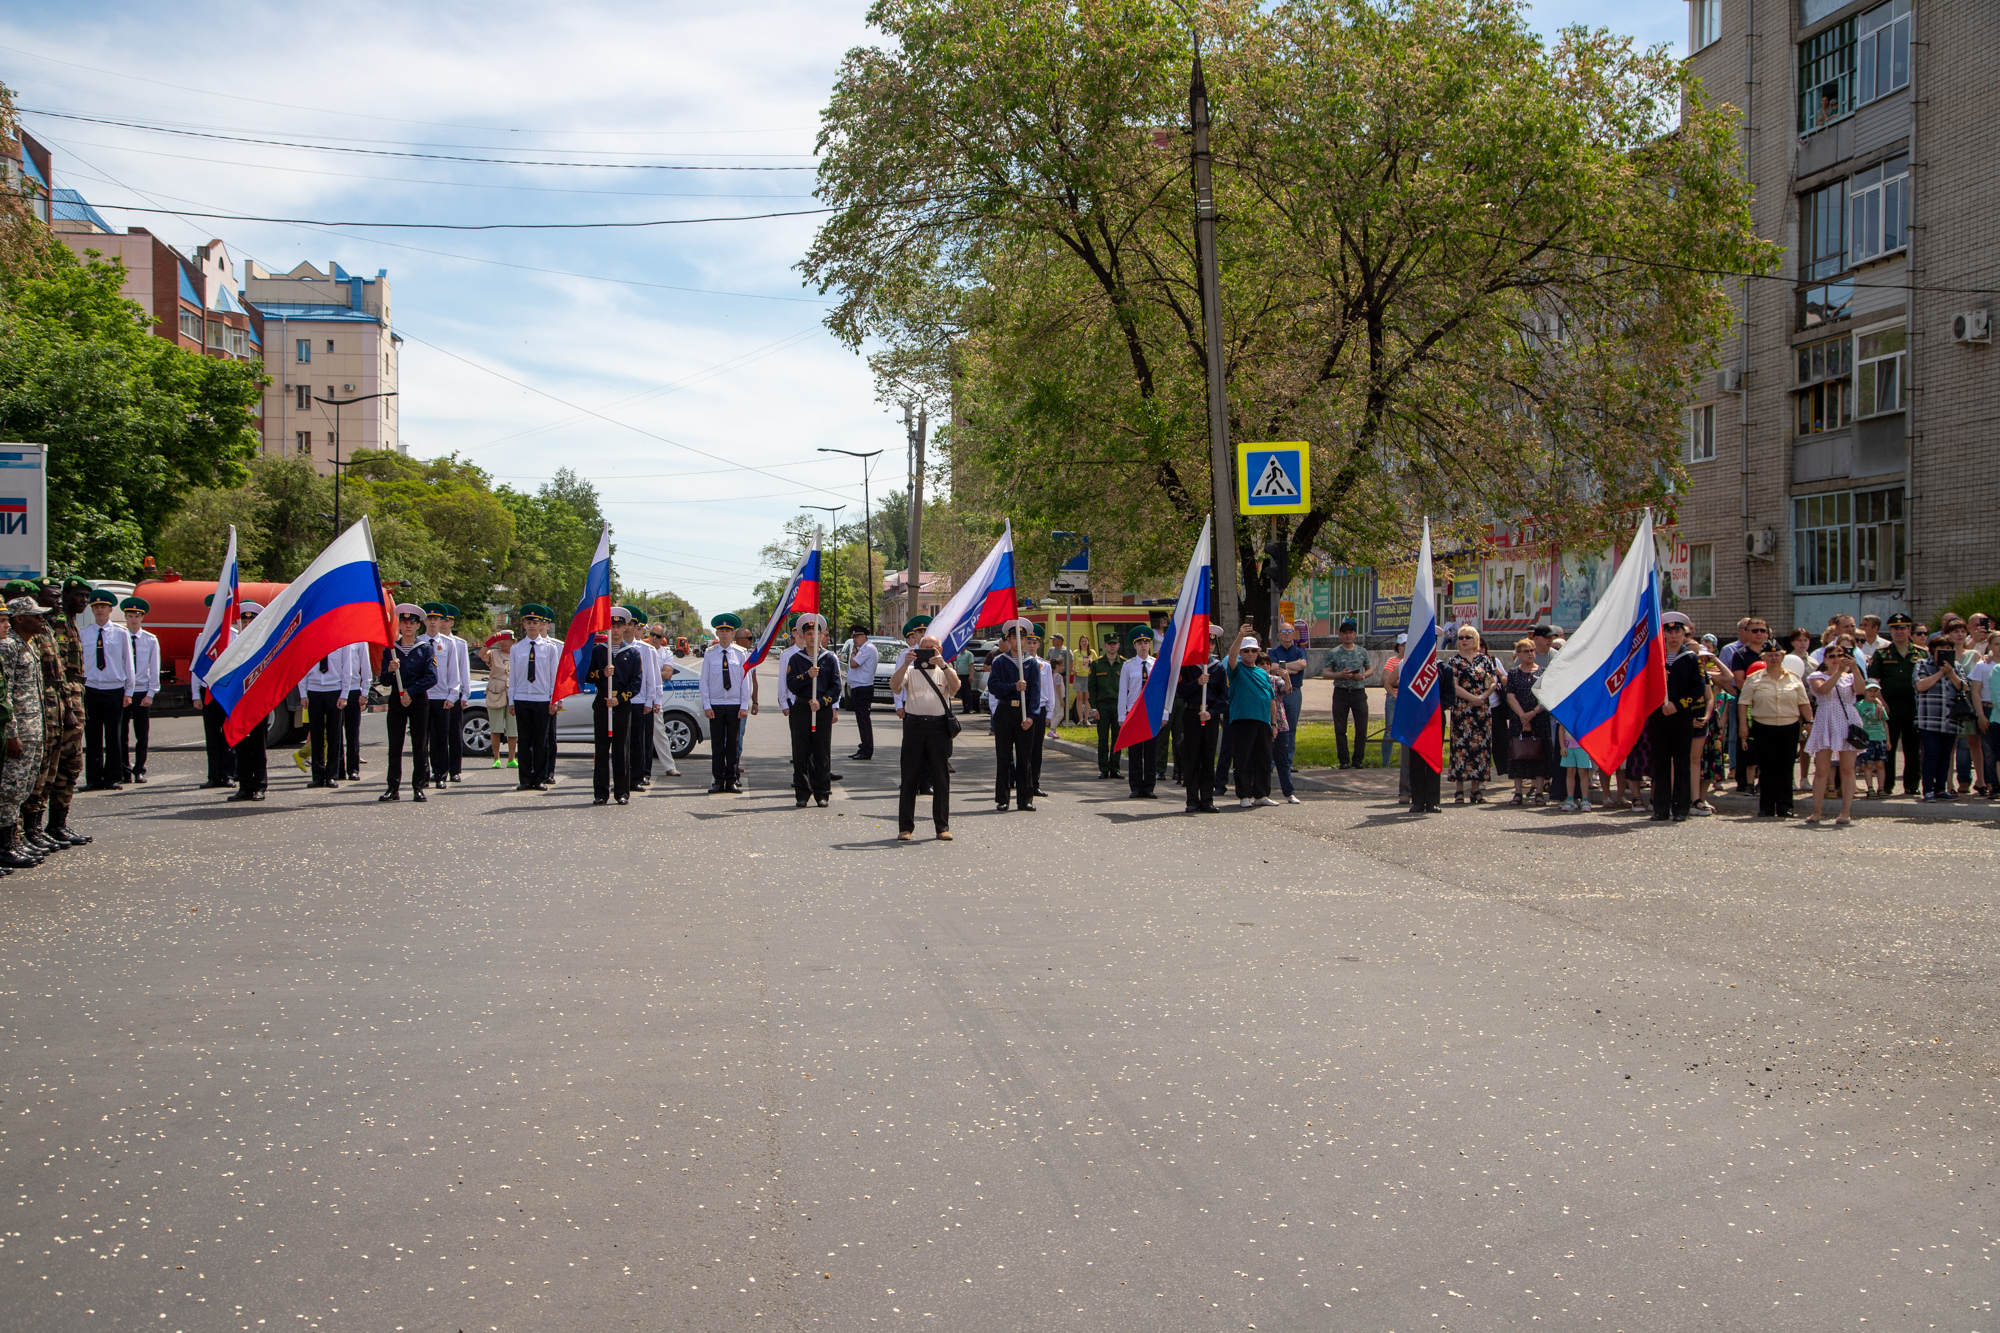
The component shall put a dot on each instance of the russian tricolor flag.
(13, 504)
(801, 595)
(592, 617)
(987, 598)
(1612, 673)
(220, 626)
(337, 601)
(1183, 640)
(1419, 721)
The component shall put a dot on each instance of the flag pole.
(814, 678)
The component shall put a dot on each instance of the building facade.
(332, 343)
(1842, 459)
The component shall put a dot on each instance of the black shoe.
(391, 795)
(1659, 819)
(950, 767)
(833, 777)
(736, 789)
(139, 778)
(1679, 819)
(622, 800)
(354, 776)
(1433, 809)
(1030, 807)
(716, 789)
(42, 842)
(419, 797)
(1001, 807)
(1040, 792)
(801, 801)
(456, 778)
(208, 786)
(600, 800)
(240, 796)
(820, 801)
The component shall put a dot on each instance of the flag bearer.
(409, 669)
(809, 695)
(1017, 698)
(617, 674)
(23, 761)
(107, 689)
(136, 732)
(531, 683)
(1144, 755)
(252, 771)
(1670, 730)
(1202, 701)
(725, 702)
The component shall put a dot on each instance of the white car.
(686, 728)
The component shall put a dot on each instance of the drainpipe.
(1743, 350)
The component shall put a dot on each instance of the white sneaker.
(1272, 800)
(1292, 800)
(1245, 804)
(672, 772)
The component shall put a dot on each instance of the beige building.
(933, 591)
(1843, 458)
(329, 336)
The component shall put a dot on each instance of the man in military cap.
(442, 725)
(252, 756)
(639, 735)
(1016, 692)
(1101, 686)
(1893, 668)
(725, 701)
(531, 683)
(408, 666)
(808, 695)
(862, 657)
(107, 689)
(1144, 756)
(137, 729)
(47, 810)
(23, 760)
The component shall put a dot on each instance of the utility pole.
(915, 433)
(1221, 461)
(867, 526)
(336, 404)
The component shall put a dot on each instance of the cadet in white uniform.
(107, 688)
(725, 702)
(531, 683)
(1143, 771)
(136, 732)
(325, 690)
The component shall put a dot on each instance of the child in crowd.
(1870, 763)
(1577, 772)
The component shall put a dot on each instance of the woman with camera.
(1837, 734)
(925, 684)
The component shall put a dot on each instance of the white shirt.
(712, 691)
(116, 673)
(462, 655)
(546, 653)
(861, 665)
(901, 697)
(346, 669)
(1132, 683)
(649, 674)
(145, 665)
(1048, 685)
(446, 656)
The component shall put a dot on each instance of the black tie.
(531, 659)
(322, 665)
(725, 668)
(100, 648)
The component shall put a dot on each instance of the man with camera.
(926, 684)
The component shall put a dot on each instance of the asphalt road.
(515, 1062)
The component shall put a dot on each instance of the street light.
(829, 511)
(867, 529)
(336, 404)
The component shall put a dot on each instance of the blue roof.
(28, 164)
(188, 292)
(225, 302)
(322, 313)
(70, 206)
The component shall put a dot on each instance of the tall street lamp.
(867, 529)
(829, 511)
(336, 404)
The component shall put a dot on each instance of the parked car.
(686, 728)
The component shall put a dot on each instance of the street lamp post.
(867, 526)
(829, 511)
(336, 404)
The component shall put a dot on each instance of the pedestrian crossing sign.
(1273, 478)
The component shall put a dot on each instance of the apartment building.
(333, 361)
(1843, 458)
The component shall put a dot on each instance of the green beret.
(208, 600)
(536, 611)
(75, 585)
(1142, 633)
(103, 597)
(447, 609)
(21, 588)
(915, 623)
(637, 613)
(727, 620)
(134, 604)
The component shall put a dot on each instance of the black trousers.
(1903, 735)
(1107, 732)
(221, 759)
(1773, 749)
(640, 733)
(548, 773)
(611, 767)
(860, 699)
(443, 738)
(251, 757)
(1346, 704)
(350, 725)
(329, 737)
(133, 738)
(531, 719)
(1669, 738)
(1425, 782)
(1225, 751)
(103, 718)
(1143, 766)
(725, 746)
(926, 752)
(1038, 736)
(1198, 758)
(454, 747)
(415, 720)
(1011, 769)
(812, 751)
(1250, 740)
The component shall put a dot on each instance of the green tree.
(195, 539)
(471, 529)
(555, 535)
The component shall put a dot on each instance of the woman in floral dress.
(1474, 676)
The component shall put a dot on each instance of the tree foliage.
(1478, 273)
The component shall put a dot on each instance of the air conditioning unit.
(1761, 543)
(347, 388)
(1729, 380)
(1973, 326)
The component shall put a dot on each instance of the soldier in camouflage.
(21, 714)
(45, 815)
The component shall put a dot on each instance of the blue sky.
(703, 351)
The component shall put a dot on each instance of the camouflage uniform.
(23, 702)
(61, 657)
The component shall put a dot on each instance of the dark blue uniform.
(1012, 745)
(611, 773)
(412, 671)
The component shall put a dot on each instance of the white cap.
(810, 620)
(1249, 641)
(620, 615)
(1020, 626)
(1402, 639)
(249, 608)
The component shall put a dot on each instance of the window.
(1701, 433)
(1701, 569)
(303, 442)
(1849, 539)
(1705, 23)
(215, 333)
(329, 344)
(190, 325)
(1826, 396)
(1885, 50)
(1823, 231)
(1879, 209)
(1879, 386)
(303, 394)
(305, 351)
(1826, 77)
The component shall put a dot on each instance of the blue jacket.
(1004, 674)
(419, 666)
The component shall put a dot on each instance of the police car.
(680, 701)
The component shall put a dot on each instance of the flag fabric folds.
(337, 601)
(1612, 673)
(223, 610)
(1184, 640)
(592, 617)
(801, 595)
(987, 598)
(1419, 721)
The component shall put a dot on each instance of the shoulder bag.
(952, 726)
(1857, 735)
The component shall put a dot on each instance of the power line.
(480, 226)
(406, 153)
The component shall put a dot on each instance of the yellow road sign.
(1273, 478)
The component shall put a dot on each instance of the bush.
(1986, 599)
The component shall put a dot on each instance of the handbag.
(1526, 748)
(1857, 735)
(952, 726)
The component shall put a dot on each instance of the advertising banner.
(24, 511)
(1520, 592)
(1390, 600)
